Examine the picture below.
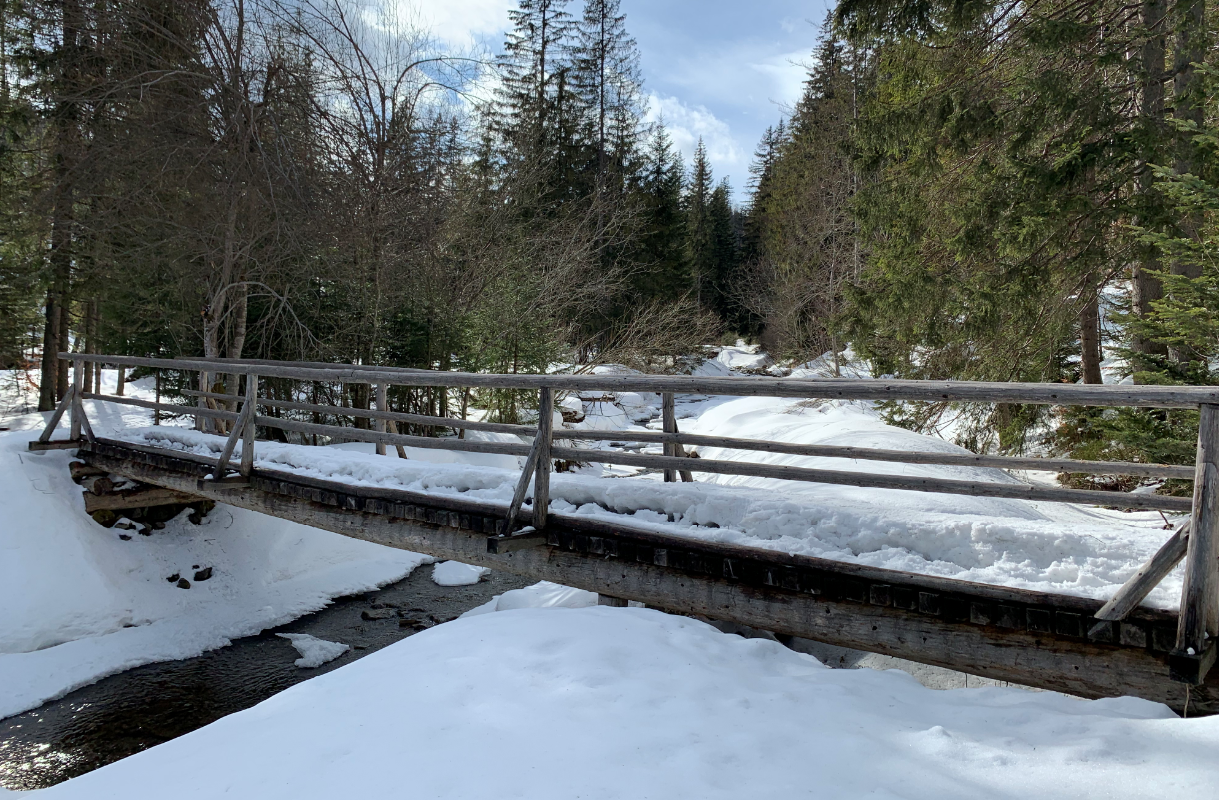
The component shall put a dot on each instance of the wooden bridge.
(1053, 641)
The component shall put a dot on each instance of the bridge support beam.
(1034, 643)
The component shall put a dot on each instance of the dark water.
(140, 708)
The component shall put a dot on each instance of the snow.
(80, 603)
(455, 573)
(314, 651)
(632, 703)
(540, 595)
(1052, 547)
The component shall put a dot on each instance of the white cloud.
(461, 24)
(686, 124)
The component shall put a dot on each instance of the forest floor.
(590, 702)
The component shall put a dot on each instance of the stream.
(143, 707)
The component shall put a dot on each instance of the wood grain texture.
(1148, 577)
(1199, 616)
(825, 388)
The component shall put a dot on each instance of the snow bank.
(80, 603)
(632, 703)
(455, 573)
(314, 651)
(540, 595)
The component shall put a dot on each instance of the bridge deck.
(1036, 638)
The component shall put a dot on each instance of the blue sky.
(718, 69)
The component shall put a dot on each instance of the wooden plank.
(64, 404)
(58, 444)
(138, 498)
(357, 435)
(1109, 395)
(542, 465)
(896, 456)
(668, 421)
(165, 407)
(1051, 661)
(1019, 491)
(1148, 577)
(524, 539)
(1199, 617)
(77, 387)
(248, 429)
(522, 485)
(230, 444)
(382, 405)
(391, 416)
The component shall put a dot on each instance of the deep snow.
(80, 603)
(632, 703)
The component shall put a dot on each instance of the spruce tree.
(664, 267)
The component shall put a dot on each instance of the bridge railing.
(1196, 541)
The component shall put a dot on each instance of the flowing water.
(142, 707)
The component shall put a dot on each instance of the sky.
(718, 69)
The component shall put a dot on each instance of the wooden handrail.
(822, 388)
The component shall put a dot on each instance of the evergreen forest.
(1002, 190)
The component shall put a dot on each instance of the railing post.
(201, 402)
(247, 434)
(1198, 624)
(669, 422)
(541, 478)
(78, 379)
(382, 403)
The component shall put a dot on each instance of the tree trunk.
(1146, 287)
(1089, 341)
(55, 373)
(1187, 107)
(50, 348)
(65, 343)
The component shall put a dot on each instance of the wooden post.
(204, 386)
(156, 414)
(382, 405)
(247, 435)
(541, 478)
(1198, 625)
(669, 422)
(120, 380)
(78, 380)
(1198, 622)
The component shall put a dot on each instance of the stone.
(174, 578)
(377, 613)
(203, 574)
(184, 584)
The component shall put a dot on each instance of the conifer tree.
(664, 271)
(606, 61)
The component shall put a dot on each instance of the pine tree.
(700, 244)
(664, 269)
(607, 75)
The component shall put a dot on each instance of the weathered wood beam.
(1020, 491)
(1148, 577)
(64, 404)
(871, 616)
(136, 498)
(1199, 617)
(1145, 396)
(541, 464)
(186, 411)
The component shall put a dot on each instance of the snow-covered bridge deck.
(1044, 639)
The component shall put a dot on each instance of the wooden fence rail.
(1197, 543)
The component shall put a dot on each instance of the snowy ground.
(80, 603)
(632, 703)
